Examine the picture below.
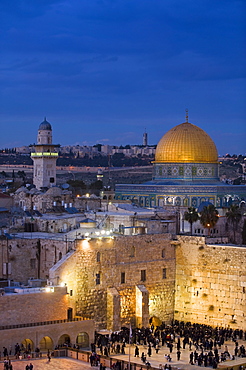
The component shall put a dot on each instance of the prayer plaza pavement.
(155, 360)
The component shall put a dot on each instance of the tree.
(234, 216)
(191, 216)
(209, 217)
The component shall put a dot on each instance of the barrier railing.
(41, 323)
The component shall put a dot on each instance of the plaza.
(54, 364)
(157, 361)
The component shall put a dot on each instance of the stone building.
(46, 200)
(135, 278)
(40, 317)
(23, 259)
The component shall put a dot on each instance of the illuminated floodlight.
(87, 234)
(103, 232)
(87, 195)
(97, 233)
(107, 232)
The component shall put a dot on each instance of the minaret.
(44, 158)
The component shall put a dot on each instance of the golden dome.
(186, 143)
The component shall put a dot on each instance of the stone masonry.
(106, 268)
(210, 283)
(31, 258)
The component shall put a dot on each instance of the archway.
(64, 340)
(28, 345)
(154, 320)
(82, 340)
(46, 343)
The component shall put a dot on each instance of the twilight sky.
(102, 71)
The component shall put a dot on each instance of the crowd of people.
(206, 344)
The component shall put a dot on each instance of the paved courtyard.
(54, 364)
(155, 359)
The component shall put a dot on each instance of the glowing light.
(63, 284)
(107, 232)
(49, 289)
(87, 195)
(103, 232)
(77, 195)
(87, 234)
(97, 233)
(85, 243)
(47, 154)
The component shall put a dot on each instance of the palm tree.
(233, 216)
(209, 217)
(191, 216)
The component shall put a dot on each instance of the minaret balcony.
(44, 154)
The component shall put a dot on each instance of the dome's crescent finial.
(186, 116)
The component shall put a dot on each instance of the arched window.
(163, 253)
(82, 340)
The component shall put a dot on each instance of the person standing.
(178, 355)
(48, 355)
(149, 350)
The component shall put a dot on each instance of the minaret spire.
(186, 116)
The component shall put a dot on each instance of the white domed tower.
(44, 158)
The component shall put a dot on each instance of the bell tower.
(44, 158)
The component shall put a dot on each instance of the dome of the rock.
(186, 143)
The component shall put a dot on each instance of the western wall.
(121, 280)
(210, 283)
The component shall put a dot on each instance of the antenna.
(186, 116)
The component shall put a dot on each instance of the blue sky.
(104, 70)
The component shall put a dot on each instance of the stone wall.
(21, 308)
(210, 283)
(117, 263)
(24, 254)
(52, 332)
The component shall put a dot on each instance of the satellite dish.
(65, 186)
